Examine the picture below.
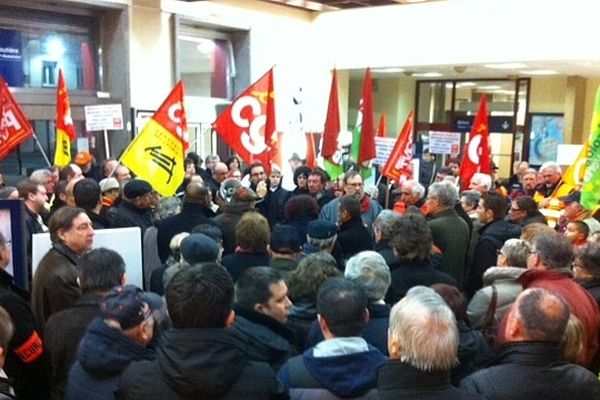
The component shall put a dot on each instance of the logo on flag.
(14, 126)
(156, 154)
(65, 130)
(477, 154)
(398, 165)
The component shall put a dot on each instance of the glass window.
(35, 45)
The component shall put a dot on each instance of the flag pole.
(41, 149)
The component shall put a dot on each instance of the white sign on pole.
(125, 241)
(444, 142)
(383, 148)
(104, 117)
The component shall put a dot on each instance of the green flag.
(590, 193)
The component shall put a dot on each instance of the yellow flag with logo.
(156, 154)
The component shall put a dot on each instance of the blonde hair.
(572, 341)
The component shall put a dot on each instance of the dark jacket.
(127, 215)
(532, 370)
(62, 335)
(387, 252)
(275, 205)
(103, 355)
(349, 375)
(191, 215)
(239, 261)
(473, 352)
(26, 363)
(98, 221)
(199, 364)
(31, 226)
(353, 237)
(55, 285)
(592, 285)
(398, 380)
(303, 315)
(264, 338)
(407, 275)
(230, 215)
(374, 332)
(450, 234)
(491, 238)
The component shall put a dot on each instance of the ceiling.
(332, 5)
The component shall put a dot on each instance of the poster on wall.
(545, 134)
(12, 227)
(11, 57)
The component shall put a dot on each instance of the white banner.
(384, 147)
(444, 142)
(103, 117)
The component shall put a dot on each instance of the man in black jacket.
(353, 236)
(199, 358)
(262, 308)
(135, 208)
(529, 365)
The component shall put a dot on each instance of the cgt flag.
(248, 124)
(329, 151)
(14, 126)
(477, 152)
(65, 130)
(398, 165)
(156, 154)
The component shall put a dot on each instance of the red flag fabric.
(248, 124)
(64, 121)
(311, 152)
(14, 126)
(398, 165)
(382, 126)
(171, 114)
(332, 121)
(367, 149)
(476, 157)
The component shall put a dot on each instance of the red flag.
(64, 121)
(382, 126)
(248, 124)
(398, 165)
(331, 132)
(171, 114)
(311, 152)
(14, 126)
(367, 149)
(476, 157)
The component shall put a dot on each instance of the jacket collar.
(531, 353)
(398, 375)
(66, 252)
(264, 320)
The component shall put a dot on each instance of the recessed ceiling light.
(465, 84)
(388, 70)
(428, 74)
(506, 66)
(540, 72)
(490, 87)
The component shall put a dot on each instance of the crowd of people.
(259, 285)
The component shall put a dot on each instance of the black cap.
(285, 239)
(129, 305)
(136, 188)
(198, 247)
(321, 229)
(572, 197)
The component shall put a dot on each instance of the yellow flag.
(62, 154)
(575, 173)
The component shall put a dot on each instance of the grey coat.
(507, 289)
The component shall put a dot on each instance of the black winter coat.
(353, 237)
(532, 370)
(199, 364)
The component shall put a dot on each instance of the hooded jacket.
(104, 353)
(199, 364)
(347, 373)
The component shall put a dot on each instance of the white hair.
(485, 180)
(426, 330)
(551, 165)
(370, 271)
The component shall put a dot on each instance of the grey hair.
(445, 192)
(416, 188)
(530, 171)
(40, 175)
(471, 197)
(551, 165)
(554, 250)
(370, 271)
(167, 206)
(372, 191)
(384, 223)
(321, 244)
(484, 179)
(426, 330)
(516, 251)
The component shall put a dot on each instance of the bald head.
(196, 193)
(220, 172)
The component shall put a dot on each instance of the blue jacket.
(347, 375)
(104, 353)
